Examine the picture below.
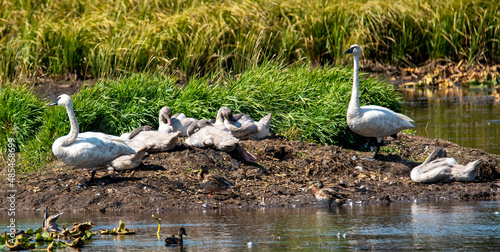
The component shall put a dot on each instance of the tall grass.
(20, 115)
(307, 104)
(96, 39)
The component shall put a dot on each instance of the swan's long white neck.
(220, 117)
(354, 103)
(75, 128)
(161, 119)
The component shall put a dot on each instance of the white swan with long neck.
(88, 149)
(371, 120)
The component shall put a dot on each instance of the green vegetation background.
(93, 38)
(252, 56)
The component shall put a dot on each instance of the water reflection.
(468, 225)
(409, 226)
(466, 116)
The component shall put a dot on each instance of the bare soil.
(168, 181)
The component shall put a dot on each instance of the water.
(466, 116)
(445, 226)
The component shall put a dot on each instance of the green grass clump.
(97, 39)
(20, 115)
(307, 104)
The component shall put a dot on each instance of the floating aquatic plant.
(121, 230)
(159, 225)
(80, 233)
(20, 243)
(79, 230)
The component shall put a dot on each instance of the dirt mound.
(281, 176)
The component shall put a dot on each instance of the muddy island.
(280, 178)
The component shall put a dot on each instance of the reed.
(94, 39)
(307, 104)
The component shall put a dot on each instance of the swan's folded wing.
(406, 118)
(243, 131)
(104, 137)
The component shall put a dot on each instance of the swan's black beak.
(349, 50)
(54, 102)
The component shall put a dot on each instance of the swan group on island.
(96, 150)
(99, 150)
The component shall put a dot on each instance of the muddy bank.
(168, 181)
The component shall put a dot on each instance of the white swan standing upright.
(88, 149)
(371, 120)
(178, 122)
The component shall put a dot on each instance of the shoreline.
(167, 181)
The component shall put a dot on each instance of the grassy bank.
(307, 104)
(93, 38)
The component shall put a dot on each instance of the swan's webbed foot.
(85, 184)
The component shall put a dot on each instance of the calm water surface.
(457, 226)
(466, 116)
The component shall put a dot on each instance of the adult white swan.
(371, 120)
(88, 149)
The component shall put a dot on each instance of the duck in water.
(175, 240)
